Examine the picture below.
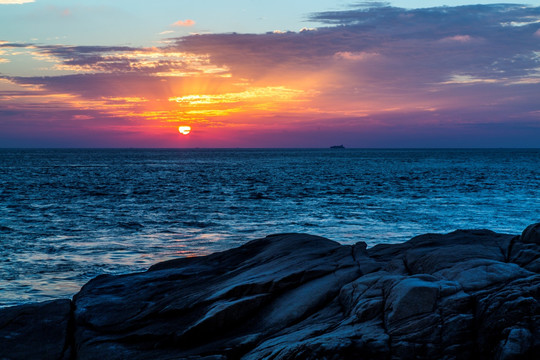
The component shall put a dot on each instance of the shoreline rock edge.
(466, 294)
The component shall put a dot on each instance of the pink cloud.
(458, 38)
(355, 56)
(186, 23)
(537, 33)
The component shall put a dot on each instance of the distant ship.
(337, 147)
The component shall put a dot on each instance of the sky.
(269, 74)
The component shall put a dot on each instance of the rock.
(524, 249)
(531, 235)
(409, 297)
(467, 294)
(188, 304)
(36, 331)
(517, 343)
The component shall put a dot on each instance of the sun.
(184, 129)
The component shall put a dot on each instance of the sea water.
(69, 215)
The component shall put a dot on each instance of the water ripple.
(69, 215)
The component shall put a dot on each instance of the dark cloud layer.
(479, 38)
(476, 38)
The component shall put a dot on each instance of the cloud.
(408, 43)
(5, 44)
(354, 56)
(8, 2)
(468, 79)
(117, 59)
(185, 23)
(458, 38)
(368, 70)
(537, 33)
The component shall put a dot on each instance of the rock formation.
(468, 294)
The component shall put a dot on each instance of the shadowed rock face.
(36, 331)
(467, 294)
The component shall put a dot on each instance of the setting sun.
(184, 129)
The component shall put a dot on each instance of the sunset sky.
(269, 73)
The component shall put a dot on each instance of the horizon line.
(270, 148)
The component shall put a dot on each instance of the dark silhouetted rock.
(531, 235)
(468, 294)
(36, 331)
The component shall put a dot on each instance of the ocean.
(68, 215)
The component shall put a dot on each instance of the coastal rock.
(531, 235)
(36, 331)
(467, 294)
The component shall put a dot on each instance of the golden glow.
(276, 93)
(178, 85)
(125, 99)
(184, 129)
(212, 97)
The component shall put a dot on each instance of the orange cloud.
(184, 23)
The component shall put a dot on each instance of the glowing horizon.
(376, 76)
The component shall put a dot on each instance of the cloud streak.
(10, 2)
(184, 23)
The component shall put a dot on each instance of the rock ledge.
(467, 294)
